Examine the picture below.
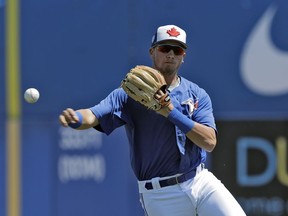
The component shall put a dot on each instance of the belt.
(174, 180)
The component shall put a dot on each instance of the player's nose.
(170, 54)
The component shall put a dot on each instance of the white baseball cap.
(170, 32)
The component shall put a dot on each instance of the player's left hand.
(147, 86)
(165, 110)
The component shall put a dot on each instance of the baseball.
(31, 95)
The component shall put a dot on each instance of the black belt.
(174, 180)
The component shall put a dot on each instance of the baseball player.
(168, 136)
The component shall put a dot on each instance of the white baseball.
(31, 95)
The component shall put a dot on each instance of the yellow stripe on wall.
(13, 168)
(13, 109)
(12, 58)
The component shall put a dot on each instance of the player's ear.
(151, 50)
(183, 57)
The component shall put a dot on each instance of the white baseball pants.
(203, 195)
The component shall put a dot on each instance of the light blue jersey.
(157, 147)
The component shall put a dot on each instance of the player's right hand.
(68, 116)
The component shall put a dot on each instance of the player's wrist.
(78, 123)
(170, 107)
(184, 123)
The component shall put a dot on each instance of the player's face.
(167, 57)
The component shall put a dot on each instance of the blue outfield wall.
(76, 52)
(68, 172)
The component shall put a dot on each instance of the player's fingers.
(69, 112)
(68, 116)
(158, 94)
(63, 121)
(72, 115)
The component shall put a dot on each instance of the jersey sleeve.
(204, 112)
(109, 111)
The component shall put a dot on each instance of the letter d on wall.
(243, 145)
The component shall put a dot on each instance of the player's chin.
(170, 68)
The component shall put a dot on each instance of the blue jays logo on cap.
(170, 32)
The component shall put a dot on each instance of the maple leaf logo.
(173, 32)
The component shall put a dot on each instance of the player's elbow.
(210, 140)
(210, 144)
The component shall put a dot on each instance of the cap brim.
(181, 44)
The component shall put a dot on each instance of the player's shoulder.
(191, 86)
(117, 95)
(119, 92)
